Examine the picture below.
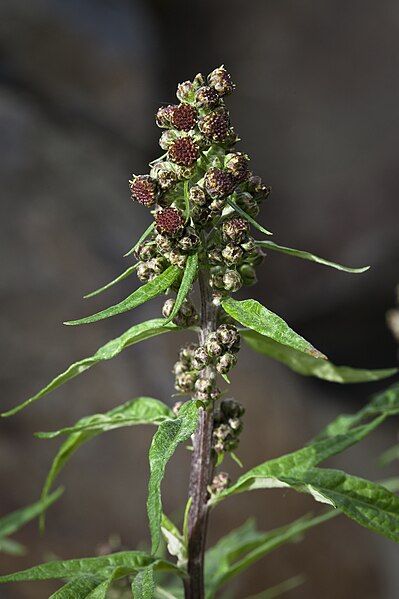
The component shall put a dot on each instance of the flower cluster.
(227, 426)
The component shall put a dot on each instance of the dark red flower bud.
(237, 164)
(216, 125)
(220, 79)
(164, 116)
(169, 221)
(184, 117)
(183, 151)
(144, 190)
(235, 229)
(206, 97)
(218, 183)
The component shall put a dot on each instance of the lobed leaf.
(247, 217)
(143, 410)
(143, 237)
(135, 334)
(189, 275)
(308, 256)
(164, 443)
(252, 314)
(126, 273)
(307, 365)
(143, 294)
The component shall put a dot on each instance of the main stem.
(201, 464)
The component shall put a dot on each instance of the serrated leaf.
(308, 256)
(143, 237)
(143, 294)
(244, 546)
(127, 562)
(143, 410)
(247, 217)
(190, 272)
(307, 365)
(164, 443)
(135, 334)
(126, 273)
(270, 473)
(143, 586)
(281, 588)
(253, 315)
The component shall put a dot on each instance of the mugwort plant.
(203, 245)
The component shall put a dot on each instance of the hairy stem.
(201, 464)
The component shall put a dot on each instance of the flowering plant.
(204, 200)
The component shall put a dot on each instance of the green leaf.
(307, 256)
(78, 588)
(144, 293)
(119, 278)
(135, 334)
(14, 521)
(164, 443)
(252, 314)
(143, 586)
(270, 473)
(127, 562)
(281, 588)
(11, 547)
(389, 455)
(190, 272)
(143, 237)
(308, 366)
(143, 410)
(186, 200)
(247, 217)
(244, 546)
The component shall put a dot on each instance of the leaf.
(143, 586)
(281, 588)
(143, 410)
(389, 455)
(252, 314)
(186, 200)
(14, 521)
(127, 562)
(244, 546)
(307, 256)
(270, 473)
(190, 272)
(11, 547)
(78, 588)
(247, 217)
(119, 278)
(309, 366)
(164, 443)
(143, 294)
(143, 237)
(135, 334)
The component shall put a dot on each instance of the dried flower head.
(220, 79)
(169, 221)
(218, 183)
(183, 151)
(235, 229)
(144, 190)
(215, 125)
(237, 164)
(184, 117)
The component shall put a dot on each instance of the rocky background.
(317, 105)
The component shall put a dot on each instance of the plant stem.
(201, 464)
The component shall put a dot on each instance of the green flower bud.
(165, 174)
(167, 138)
(215, 256)
(232, 254)
(247, 203)
(226, 362)
(232, 280)
(255, 257)
(186, 90)
(231, 408)
(216, 281)
(164, 115)
(248, 274)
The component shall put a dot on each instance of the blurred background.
(317, 107)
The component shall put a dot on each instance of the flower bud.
(220, 79)
(218, 183)
(204, 384)
(176, 258)
(215, 125)
(256, 187)
(165, 174)
(164, 115)
(247, 203)
(169, 221)
(164, 243)
(232, 254)
(179, 367)
(156, 265)
(227, 335)
(215, 256)
(206, 97)
(248, 274)
(190, 241)
(143, 272)
(237, 164)
(213, 346)
(216, 281)
(220, 482)
(198, 196)
(232, 281)
(231, 408)
(201, 358)
(235, 229)
(144, 190)
(146, 251)
(184, 117)
(186, 353)
(186, 90)
(183, 151)
(226, 362)
(255, 257)
(185, 382)
(185, 317)
(217, 205)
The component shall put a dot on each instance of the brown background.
(317, 105)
